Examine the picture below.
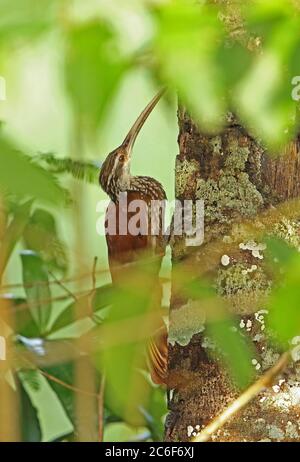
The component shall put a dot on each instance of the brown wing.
(128, 249)
(158, 356)
(125, 248)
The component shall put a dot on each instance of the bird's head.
(115, 171)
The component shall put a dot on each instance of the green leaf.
(124, 333)
(13, 233)
(42, 228)
(236, 351)
(235, 62)
(54, 422)
(280, 251)
(21, 320)
(101, 298)
(155, 413)
(65, 373)
(35, 279)
(185, 46)
(25, 18)
(284, 313)
(94, 69)
(86, 171)
(31, 378)
(19, 176)
(263, 18)
(121, 432)
(30, 425)
(269, 108)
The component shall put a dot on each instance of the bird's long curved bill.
(130, 139)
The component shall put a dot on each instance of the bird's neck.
(145, 185)
(118, 186)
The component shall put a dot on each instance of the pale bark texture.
(244, 189)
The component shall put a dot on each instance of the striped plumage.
(158, 356)
(115, 178)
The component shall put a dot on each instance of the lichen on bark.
(238, 180)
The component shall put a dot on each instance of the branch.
(44, 301)
(93, 289)
(66, 385)
(62, 285)
(94, 273)
(101, 409)
(263, 382)
(88, 275)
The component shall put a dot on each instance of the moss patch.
(243, 289)
(232, 194)
(289, 231)
(185, 170)
(185, 322)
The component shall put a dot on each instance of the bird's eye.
(122, 158)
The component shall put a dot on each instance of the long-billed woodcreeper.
(115, 178)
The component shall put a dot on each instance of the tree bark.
(244, 190)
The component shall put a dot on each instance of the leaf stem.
(65, 288)
(263, 382)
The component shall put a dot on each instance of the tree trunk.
(244, 190)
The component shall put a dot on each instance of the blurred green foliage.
(94, 70)
(284, 318)
(20, 177)
(38, 293)
(26, 18)
(186, 48)
(235, 56)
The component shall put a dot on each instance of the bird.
(124, 248)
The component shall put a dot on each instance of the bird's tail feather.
(158, 356)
